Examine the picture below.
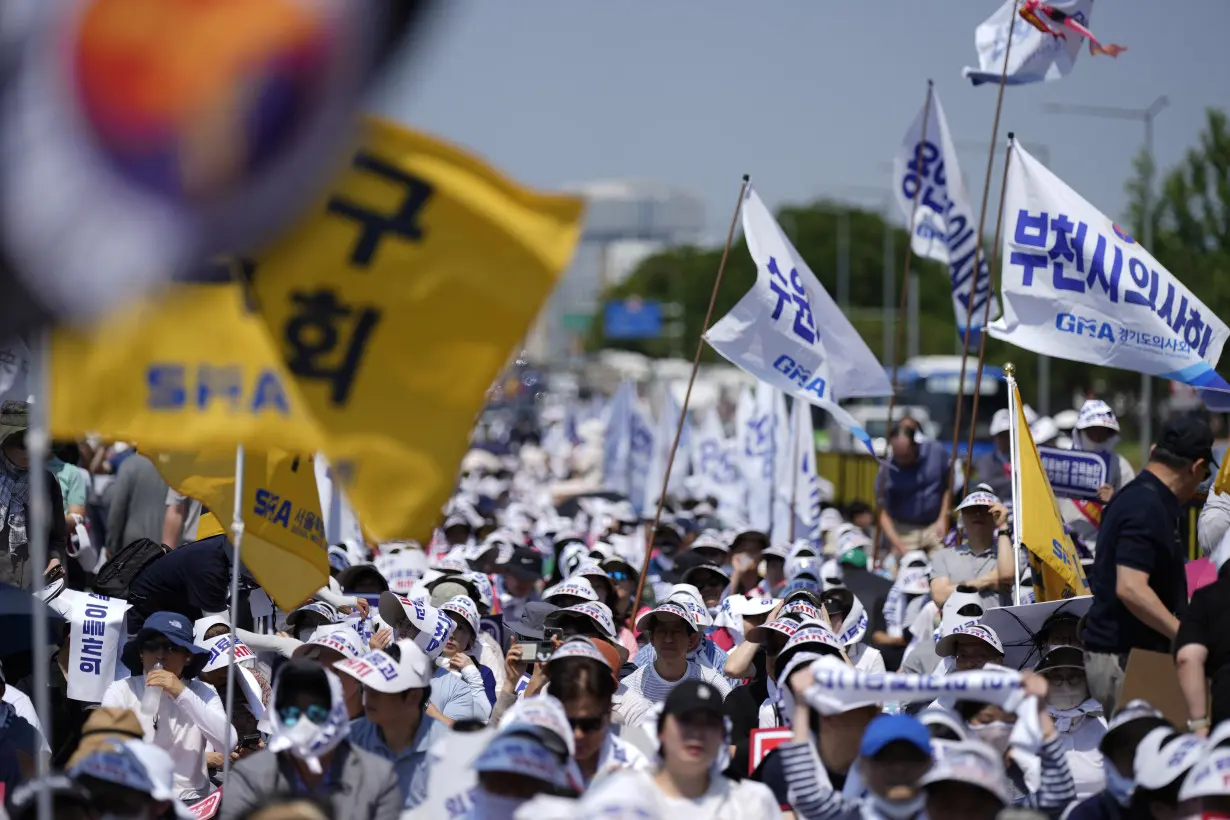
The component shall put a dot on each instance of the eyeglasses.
(154, 646)
(620, 575)
(587, 725)
(316, 713)
(1070, 678)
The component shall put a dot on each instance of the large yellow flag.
(193, 367)
(1057, 568)
(398, 303)
(284, 538)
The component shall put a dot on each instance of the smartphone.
(550, 633)
(250, 741)
(535, 651)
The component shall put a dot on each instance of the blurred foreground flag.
(1057, 569)
(396, 305)
(788, 333)
(1077, 286)
(1046, 39)
(284, 537)
(193, 368)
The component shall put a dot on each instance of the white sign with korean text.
(787, 331)
(97, 638)
(1077, 286)
(926, 173)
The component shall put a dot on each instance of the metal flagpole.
(236, 540)
(982, 218)
(1015, 438)
(794, 465)
(905, 286)
(37, 443)
(687, 396)
(986, 310)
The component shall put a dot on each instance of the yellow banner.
(189, 369)
(284, 538)
(398, 304)
(1221, 484)
(1037, 516)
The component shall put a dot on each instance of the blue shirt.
(410, 764)
(912, 495)
(451, 695)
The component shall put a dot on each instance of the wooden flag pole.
(687, 396)
(986, 309)
(905, 286)
(982, 218)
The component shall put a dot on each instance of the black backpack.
(121, 569)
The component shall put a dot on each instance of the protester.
(1118, 746)
(15, 503)
(913, 490)
(1097, 431)
(135, 504)
(983, 557)
(1202, 650)
(131, 779)
(994, 468)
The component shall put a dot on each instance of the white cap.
(380, 671)
(950, 617)
(943, 716)
(830, 519)
(947, 645)
(220, 653)
(1207, 778)
(433, 625)
(688, 596)
(1097, 413)
(1164, 756)
(1001, 422)
(465, 609)
(588, 568)
(136, 765)
(578, 587)
(544, 717)
(978, 498)
(851, 537)
(710, 539)
(525, 756)
(797, 565)
(742, 605)
(831, 574)
(598, 613)
(782, 626)
(971, 763)
(341, 638)
(667, 608)
(578, 647)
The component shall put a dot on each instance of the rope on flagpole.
(982, 218)
(905, 284)
(236, 541)
(687, 396)
(986, 308)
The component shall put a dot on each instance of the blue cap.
(887, 729)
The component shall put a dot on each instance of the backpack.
(121, 569)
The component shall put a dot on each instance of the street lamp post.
(1145, 115)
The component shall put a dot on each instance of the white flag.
(715, 467)
(1037, 56)
(627, 446)
(798, 486)
(787, 331)
(756, 442)
(663, 438)
(944, 226)
(1077, 286)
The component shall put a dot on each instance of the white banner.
(97, 629)
(1036, 56)
(757, 441)
(715, 466)
(838, 688)
(787, 331)
(1077, 286)
(944, 225)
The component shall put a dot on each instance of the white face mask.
(1067, 696)
(301, 735)
(898, 810)
(994, 735)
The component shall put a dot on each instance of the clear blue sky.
(809, 96)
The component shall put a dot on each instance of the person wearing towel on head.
(983, 557)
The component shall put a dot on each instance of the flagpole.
(687, 396)
(37, 443)
(982, 218)
(986, 308)
(236, 541)
(794, 467)
(1015, 446)
(905, 284)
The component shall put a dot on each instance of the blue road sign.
(632, 319)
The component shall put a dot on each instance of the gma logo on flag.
(1057, 568)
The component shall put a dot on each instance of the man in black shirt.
(1203, 652)
(193, 580)
(1138, 579)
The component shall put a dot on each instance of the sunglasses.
(587, 725)
(155, 646)
(316, 713)
(620, 575)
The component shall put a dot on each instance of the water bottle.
(150, 701)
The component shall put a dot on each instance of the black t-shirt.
(192, 580)
(742, 706)
(1207, 622)
(872, 592)
(1139, 530)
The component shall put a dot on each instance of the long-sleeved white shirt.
(1213, 523)
(185, 726)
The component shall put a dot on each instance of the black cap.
(693, 695)
(524, 563)
(1187, 437)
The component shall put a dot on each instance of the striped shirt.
(645, 688)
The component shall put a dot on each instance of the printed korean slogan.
(1078, 286)
(284, 535)
(1057, 568)
(191, 368)
(397, 304)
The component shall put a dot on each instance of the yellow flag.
(1041, 526)
(193, 367)
(398, 303)
(284, 538)
(1221, 484)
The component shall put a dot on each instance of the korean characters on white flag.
(1078, 286)
(926, 171)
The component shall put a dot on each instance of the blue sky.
(809, 96)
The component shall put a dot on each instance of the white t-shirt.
(725, 799)
(645, 688)
(185, 727)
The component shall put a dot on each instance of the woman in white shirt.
(189, 715)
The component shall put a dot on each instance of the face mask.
(1067, 696)
(994, 735)
(898, 810)
(301, 734)
(1120, 787)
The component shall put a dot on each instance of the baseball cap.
(978, 498)
(970, 763)
(693, 695)
(812, 637)
(887, 729)
(406, 667)
(526, 756)
(219, 649)
(1001, 422)
(693, 575)
(596, 613)
(782, 626)
(541, 716)
(1206, 778)
(1062, 657)
(341, 639)
(941, 719)
(711, 540)
(1187, 437)
(1164, 756)
(577, 647)
(525, 564)
(433, 625)
(313, 613)
(136, 765)
(960, 608)
(1097, 413)
(465, 611)
(1136, 713)
(781, 551)
(804, 588)
(688, 597)
(852, 545)
(353, 576)
(645, 622)
(947, 645)
(578, 587)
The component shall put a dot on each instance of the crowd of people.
(556, 656)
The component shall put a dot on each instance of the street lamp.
(1145, 115)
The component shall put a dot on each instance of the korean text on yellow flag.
(1037, 516)
(190, 368)
(397, 305)
(284, 539)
